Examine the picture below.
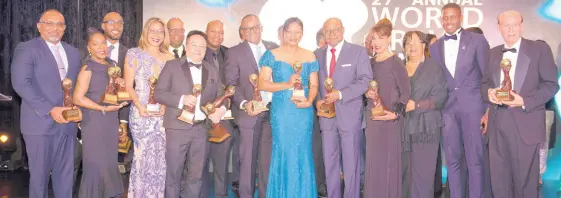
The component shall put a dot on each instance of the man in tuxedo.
(176, 36)
(349, 67)
(186, 142)
(254, 128)
(517, 127)
(219, 152)
(464, 56)
(38, 67)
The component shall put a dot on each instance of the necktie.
(215, 59)
(59, 62)
(513, 50)
(333, 63)
(175, 53)
(453, 37)
(198, 66)
(111, 48)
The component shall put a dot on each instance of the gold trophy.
(377, 107)
(298, 91)
(152, 106)
(257, 102)
(110, 95)
(122, 94)
(72, 115)
(188, 113)
(218, 133)
(124, 141)
(228, 114)
(327, 110)
(503, 94)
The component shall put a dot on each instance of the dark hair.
(429, 37)
(195, 32)
(292, 20)
(453, 5)
(319, 35)
(409, 35)
(475, 30)
(383, 27)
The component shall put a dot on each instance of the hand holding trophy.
(257, 102)
(378, 108)
(218, 133)
(74, 114)
(188, 113)
(298, 90)
(327, 110)
(503, 94)
(152, 107)
(110, 95)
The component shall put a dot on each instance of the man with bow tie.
(464, 56)
(184, 141)
(517, 127)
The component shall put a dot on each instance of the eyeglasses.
(114, 22)
(254, 28)
(195, 46)
(51, 24)
(176, 30)
(409, 44)
(335, 31)
(156, 32)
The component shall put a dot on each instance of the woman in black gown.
(100, 125)
(382, 176)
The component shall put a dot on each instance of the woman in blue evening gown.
(291, 173)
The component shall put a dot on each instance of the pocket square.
(346, 65)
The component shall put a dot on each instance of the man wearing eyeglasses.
(254, 128)
(38, 67)
(176, 36)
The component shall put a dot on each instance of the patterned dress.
(148, 171)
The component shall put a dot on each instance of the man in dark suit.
(38, 67)
(186, 142)
(517, 127)
(463, 56)
(254, 128)
(176, 36)
(219, 152)
(349, 67)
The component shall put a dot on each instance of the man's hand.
(388, 116)
(517, 102)
(492, 94)
(189, 100)
(217, 115)
(484, 121)
(332, 97)
(410, 106)
(56, 114)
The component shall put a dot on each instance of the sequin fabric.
(291, 173)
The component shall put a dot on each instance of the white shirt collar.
(189, 60)
(337, 47)
(116, 45)
(515, 46)
(456, 33)
(260, 44)
(50, 45)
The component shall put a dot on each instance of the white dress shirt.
(115, 52)
(451, 48)
(61, 51)
(196, 75)
(513, 57)
(258, 51)
(328, 60)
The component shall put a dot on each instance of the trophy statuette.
(110, 95)
(152, 106)
(298, 91)
(327, 110)
(122, 94)
(188, 113)
(71, 115)
(503, 94)
(218, 133)
(257, 102)
(377, 107)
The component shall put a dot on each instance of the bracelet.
(103, 110)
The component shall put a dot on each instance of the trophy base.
(72, 115)
(153, 108)
(259, 107)
(504, 96)
(378, 111)
(228, 115)
(186, 117)
(123, 96)
(327, 111)
(298, 93)
(109, 99)
(124, 147)
(218, 134)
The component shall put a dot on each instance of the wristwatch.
(103, 110)
(244, 106)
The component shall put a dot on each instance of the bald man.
(219, 152)
(38, 67)
(517, 127)
(176, 31)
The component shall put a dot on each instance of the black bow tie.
(453, 37)
(513, 50)
(198, 66)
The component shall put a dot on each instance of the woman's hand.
(388, 116)
(142, 111)
(115, 107)
(303, 104)
(295, 78)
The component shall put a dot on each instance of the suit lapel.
(522, 65)
(50, 57)
(440, 53)
(122, 54)
(204, 80)
(249, 55)
(70, 59)
(345, 50)
(465, 38)
(187, 72)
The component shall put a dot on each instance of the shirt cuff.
(242, 103)
(524, 107)
(124, 121)
(180, 105)
(340, 95)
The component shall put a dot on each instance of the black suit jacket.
(221, 56)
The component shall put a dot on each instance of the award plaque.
(503, 94)
(72, 115)
(257, 102)
(228, 114)
(377, 107)
(152, 106)
(110, 95)
(327, 110)
(298, 91)
(188, 113)
(122, 94)
(218, 133)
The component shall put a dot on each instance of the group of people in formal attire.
(440, 90)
